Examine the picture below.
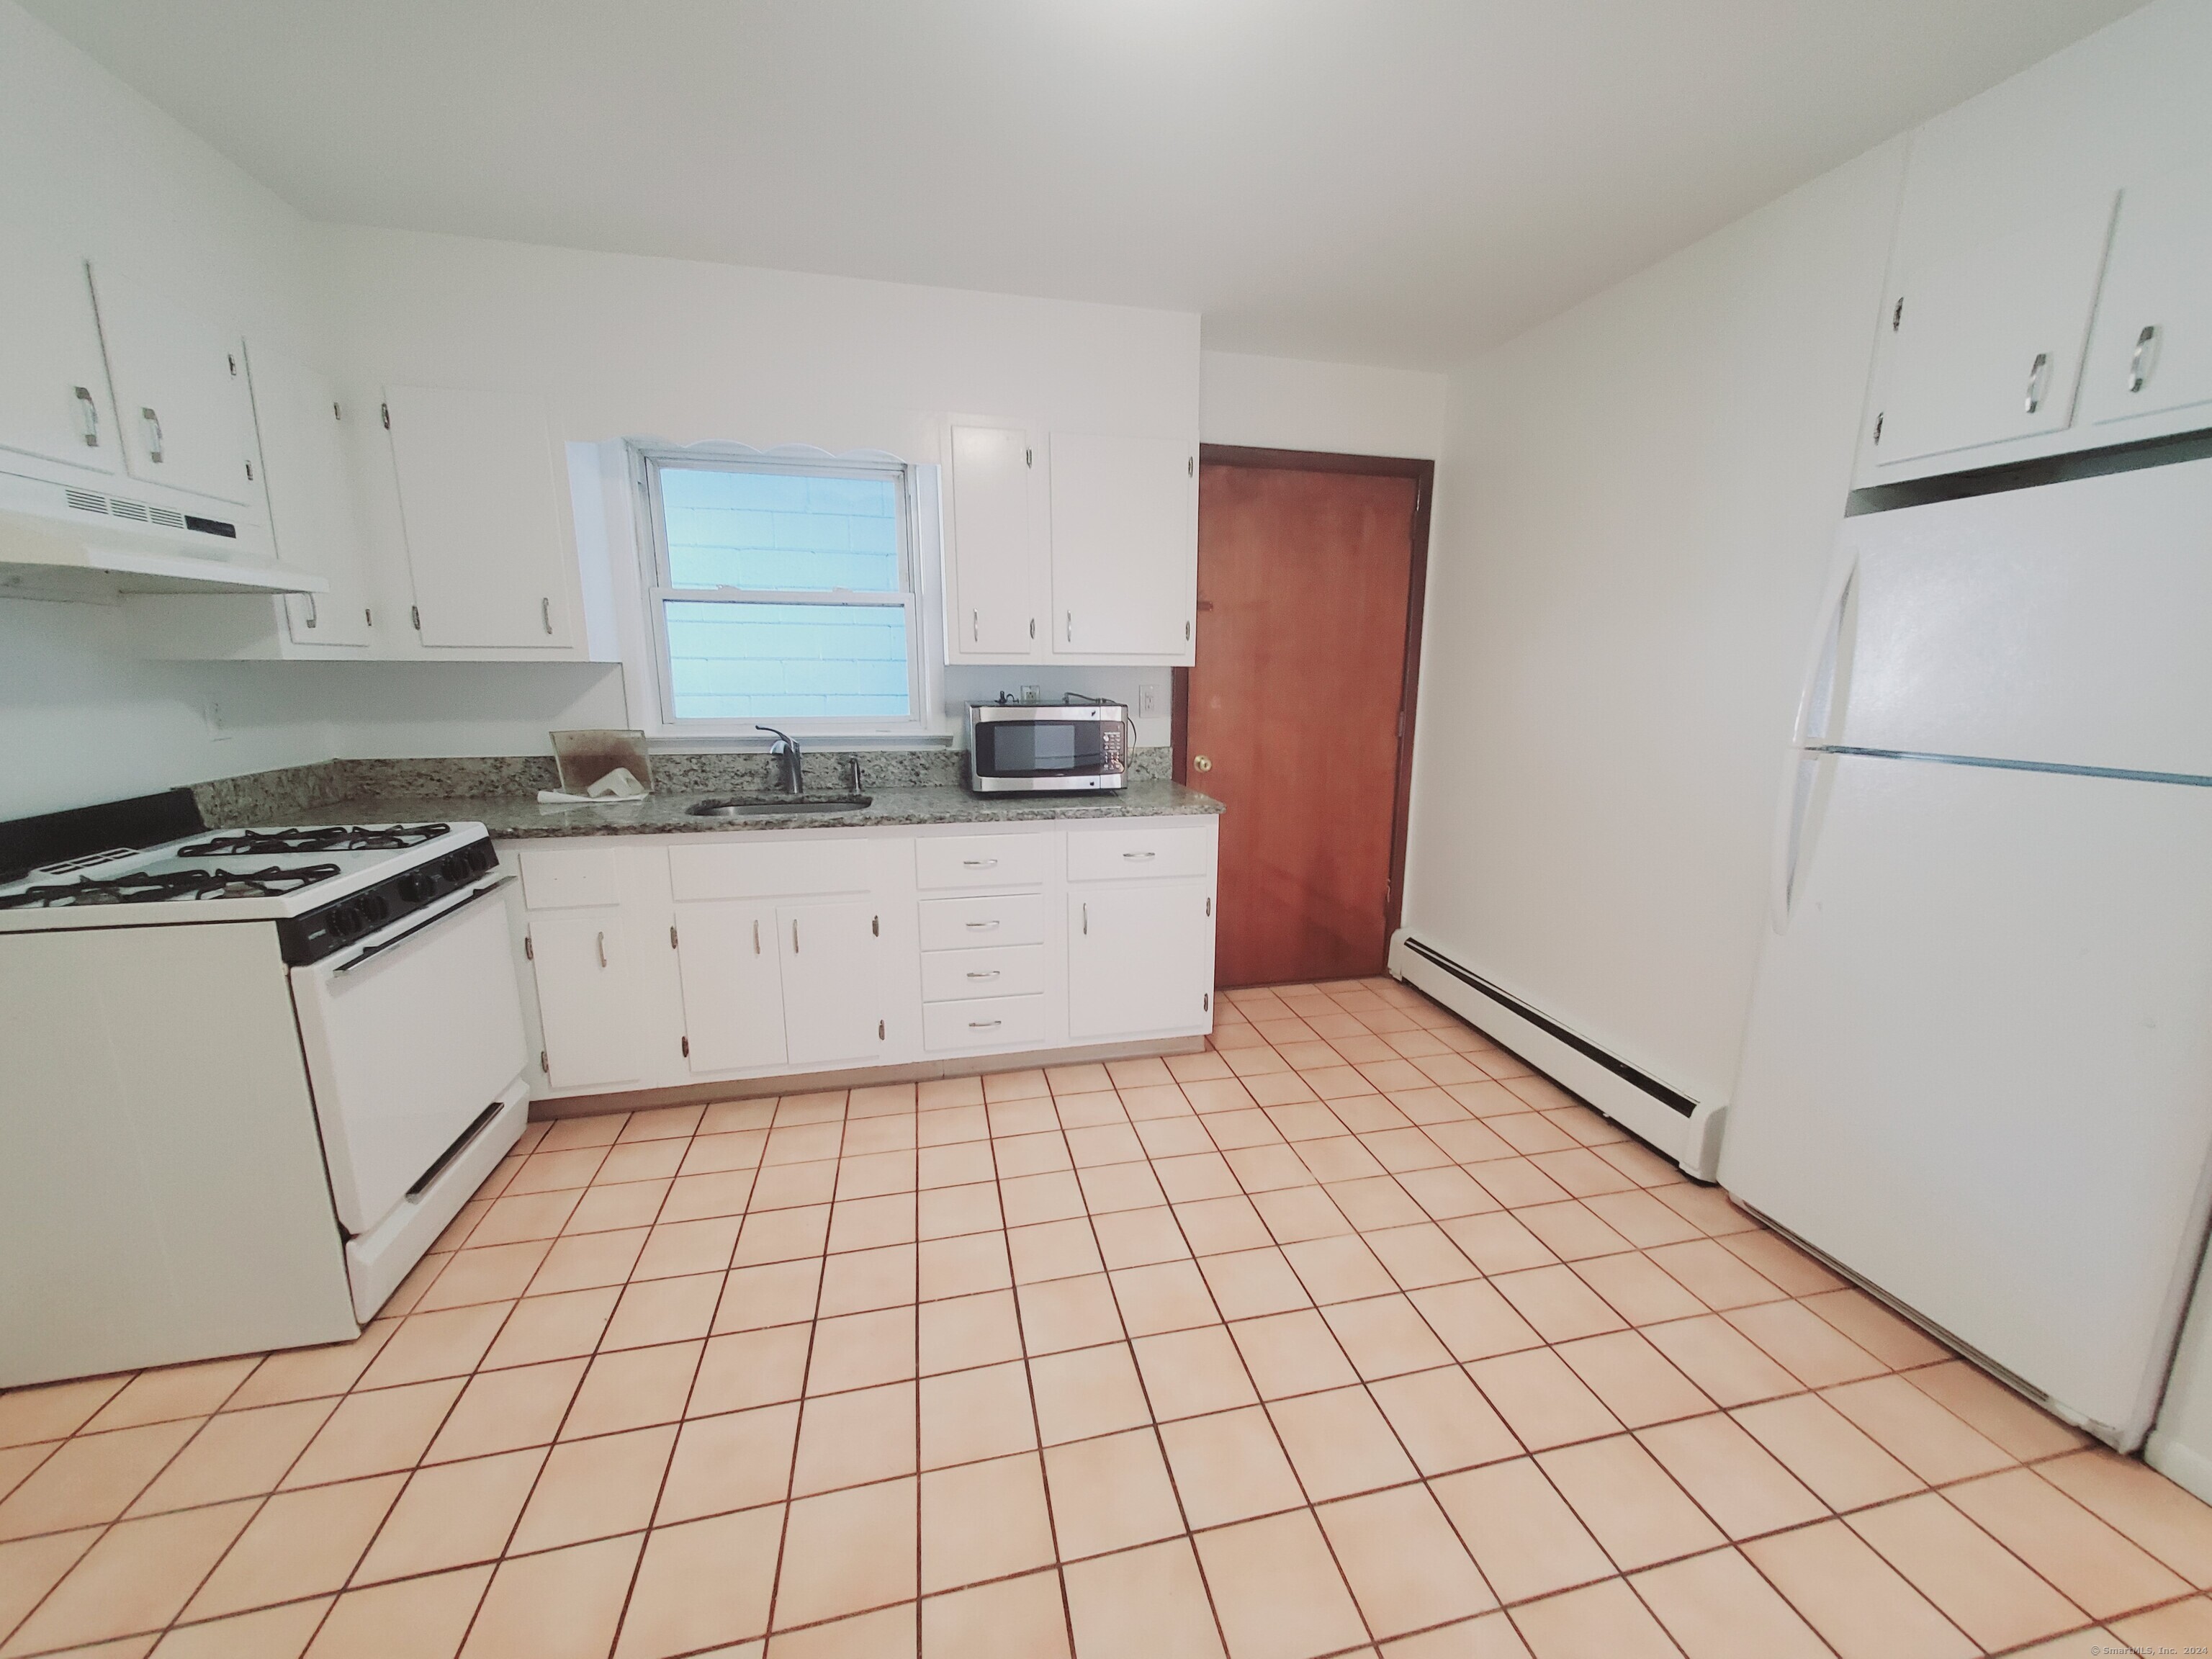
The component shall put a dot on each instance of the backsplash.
(294, 791)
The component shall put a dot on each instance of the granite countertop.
(517, 818)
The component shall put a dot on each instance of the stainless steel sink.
(744, 806)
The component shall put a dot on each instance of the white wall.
(1634, 512)
(1284, 402)
(84, 159)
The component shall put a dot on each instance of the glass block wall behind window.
(777, 532)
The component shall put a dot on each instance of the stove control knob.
(415, 886)
(373, 908)
(344, 920)
(454, 867)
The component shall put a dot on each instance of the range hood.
(74, 542)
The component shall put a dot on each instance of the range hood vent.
(67, 542)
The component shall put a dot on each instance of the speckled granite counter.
(515, 817)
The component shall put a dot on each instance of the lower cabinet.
(1140, 958)
(668, 960)
(732, 974)
(588, 998)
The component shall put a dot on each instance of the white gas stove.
(254, 1072)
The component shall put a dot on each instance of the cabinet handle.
(974, 974)
(672, 945)
(1086, 919)
(983, 1024)
(152, 425)
(979, 863)
(981, 927)
(755, 935)
(2033, 401)
(1141, 855)
(87, 413)
(603, 949)
(1071, 627)
(2135, 375)
(546, 613)
(310, 611)
(974, 626)
(1032, 627)
(795, 936)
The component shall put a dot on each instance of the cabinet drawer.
(562, 877)
(770, 872)
(959, 924)
(1004, 970)
(1145, 851)
(984, 1023)
(981, 860)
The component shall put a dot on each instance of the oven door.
(411, 1035)
(1047, 754)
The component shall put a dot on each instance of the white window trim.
(921, 547)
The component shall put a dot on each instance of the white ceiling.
(1384, 181)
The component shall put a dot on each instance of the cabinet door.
(2153, 348)
(732, 985)
(479, 499)
(181, 390)
(586, 998)
(832, 1000)
(1124, 545)
(1140, 959)
(53, 380)
(994, 534)
(1988, 340)
(312, 510)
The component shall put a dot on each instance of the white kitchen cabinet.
(832, 982)
(1124, 547)
(1140, 958)
(480, 502)
(732, 974)
(994, 522)
(587, 997)
(314, 516)
(1989, 338)
(181, 391)
(2151, 353)
(54, 402)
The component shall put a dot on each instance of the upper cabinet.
(313, 513)
(181, 389)
(54, 402)
(1069, 547)
(2152, 352)
(1988, 340)
(488, 551)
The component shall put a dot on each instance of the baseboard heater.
(1685, 1130)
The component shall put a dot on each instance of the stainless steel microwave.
(1044, 747)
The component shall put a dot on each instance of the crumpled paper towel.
(619, 786)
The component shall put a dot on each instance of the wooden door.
(1304, 583)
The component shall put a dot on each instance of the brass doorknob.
(1201, 764)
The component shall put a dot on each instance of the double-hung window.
(783, 589)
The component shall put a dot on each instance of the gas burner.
(328, 838)
(151, 887)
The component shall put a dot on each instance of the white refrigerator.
(1978, 1072)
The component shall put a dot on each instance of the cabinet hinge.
(1401, 724)
(1209, 904)
(1877, 428)
(231, 357)
(1190, 467)
(334, 413)
(529, 949)
(879, 1030)
(1032, 627)
(1185, 633)
(367, 618)
(1897, 316)
(672, 938)
(542, 1063)
(384, 409)
(416, 612)
(687, 1045)
(249, 472)
(1028, 458)
(1386, 890)
(1205, 1002)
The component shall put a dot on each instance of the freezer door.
(2062, 624)
(1978, 1070)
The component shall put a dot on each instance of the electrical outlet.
(218, 727)
(1029, 694)
(1148, 702)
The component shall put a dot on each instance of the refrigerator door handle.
(1827, 640)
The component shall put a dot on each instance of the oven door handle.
(382, 945)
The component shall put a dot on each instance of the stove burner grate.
(318, 838)
(150, 887)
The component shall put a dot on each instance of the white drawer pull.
(1141, 855)
(993, 974)
(981, 864)
(981, 927)
(983, 1024)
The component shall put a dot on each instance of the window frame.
(917, 557)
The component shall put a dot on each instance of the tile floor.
(1348, 1336)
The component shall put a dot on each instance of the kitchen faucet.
(785, 748)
